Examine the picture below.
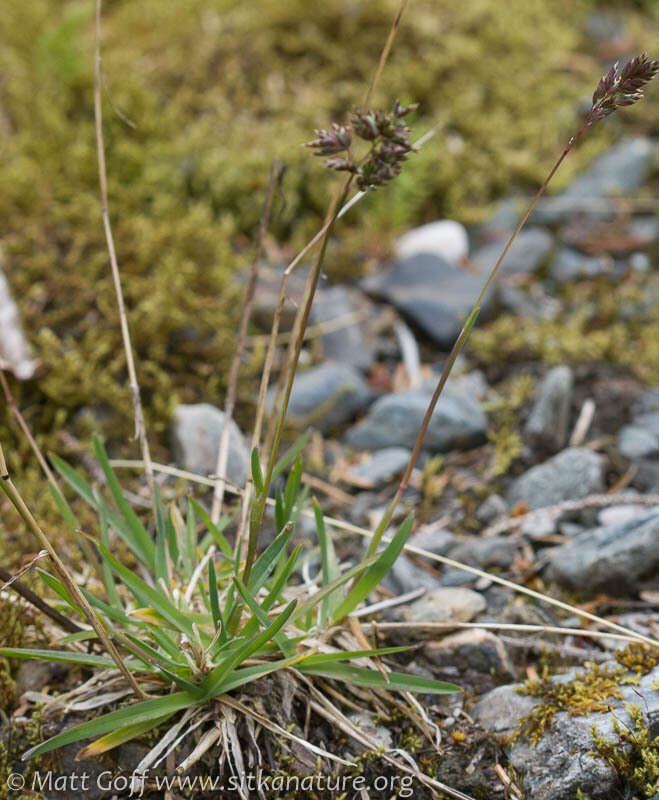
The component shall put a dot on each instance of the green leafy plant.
(192, 619)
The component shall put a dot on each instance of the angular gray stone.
(561, 763)
(445, 605)
(474, 648)
(527, 254)
(431, 292)
(445, 238)
(394, 420)
(325, 396)
(609, 559)
(571, 265)
(381, 466)
(547, 425)
(195, 439)
(569, 475)
(351, 344)
(492, 551)
(620, 170)
(641, 438)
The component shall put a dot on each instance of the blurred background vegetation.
(199, 96)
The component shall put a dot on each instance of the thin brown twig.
(232, 386)
(140, 428)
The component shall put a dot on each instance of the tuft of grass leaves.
(193, 624)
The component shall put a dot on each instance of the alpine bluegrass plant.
(193, 618)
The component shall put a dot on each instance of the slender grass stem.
(138, 413)
(457, 349)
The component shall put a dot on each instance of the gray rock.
(621, 170)
(547, 425)
(446, 605)
(381, 466)
(571, 474)
(640, 262)
(609, 559)
(493, 551)
(364, 721)
(195, 438)
(394, 420)
(406, 575)
(325, 396)
(444, 238)
(432, 292)
(533, 303)
(646, 402)
(641, 438)
(647, 475)
(538, 526)
(561, 762)
(527, 254)
(352, 344)
(474, 648)
(571, 265)
(491, 508)
(618, 515)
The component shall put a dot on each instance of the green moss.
(503, 430)
(634, 757)
(638, 658)
(600, 322)
(215, 89)
(590, 692)
(16, 739)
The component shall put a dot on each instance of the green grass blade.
(133, 531)
(74, 479)
(58, 587)
(319, 659)
(373, 679)
(190, 548)
(290, 455)
(215, 530)
(292, 488)
(217, 677)
(242, 676)
(218, 622)
(149, 596)
(309, 605)
(69, 657)
(123, 717)
(114, 739)
(161, 570)
(271, 598)
(282, 642)
(372, 576)
(108, 579)
(266, 562)
(329, 565)
(257, 475)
